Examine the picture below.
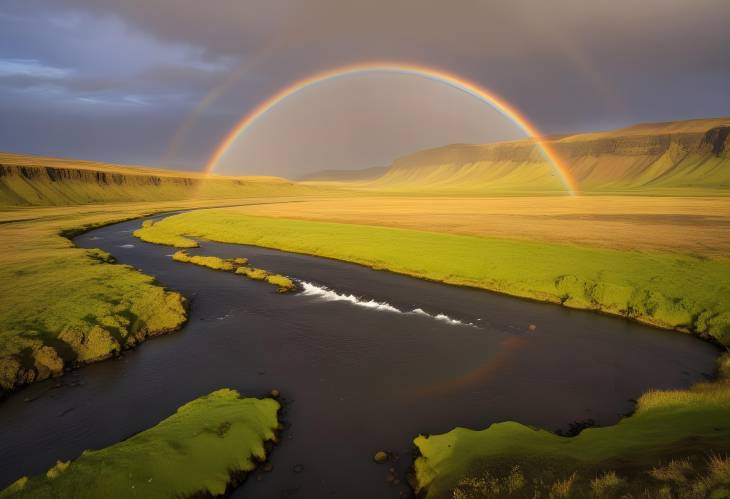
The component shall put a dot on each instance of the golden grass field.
(699, 226)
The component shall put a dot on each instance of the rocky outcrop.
(717, 141)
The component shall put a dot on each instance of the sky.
(161, 82)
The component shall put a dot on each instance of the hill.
(34, 180)
(682, 157)
(371, 173)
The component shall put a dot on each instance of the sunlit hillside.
(34, 180)
(684, 157)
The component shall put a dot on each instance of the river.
(365, 361)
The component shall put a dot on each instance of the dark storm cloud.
(569, 64)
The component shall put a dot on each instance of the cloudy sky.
(160, 82)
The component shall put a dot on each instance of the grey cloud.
(568, 64)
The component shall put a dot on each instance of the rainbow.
(450, 79)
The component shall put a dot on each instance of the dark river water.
(356, 377)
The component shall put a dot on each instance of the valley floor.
(69, 306)
(624, 256)
(663, 261)
(691, 225)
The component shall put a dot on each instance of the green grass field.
(664, 289)
(207, 446)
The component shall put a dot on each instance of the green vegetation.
(510, 459)
(212, 262)
(668, 290)
(40, 181)
(284, 283)
(70, 305)
(673, 447)
(167, 239)
(678, 158)
(251, 273)
(203, 449)
(64, 306)
(237, 265)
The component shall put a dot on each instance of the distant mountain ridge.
(673, 158)
(649, 157)
(345, 175)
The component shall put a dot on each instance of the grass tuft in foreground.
(204, 449)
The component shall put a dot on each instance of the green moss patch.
(630, 459)
(202, 450)
(68, 305)
(239, 266)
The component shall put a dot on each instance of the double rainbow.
(449, 79)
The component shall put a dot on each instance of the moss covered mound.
(201, 450)
(239, 266)
(71, 306)
(636, 456)
(63, 306)
(212, 262)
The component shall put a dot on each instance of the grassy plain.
(691, 225)
(200, 451)
(665, 289)
(63, 305)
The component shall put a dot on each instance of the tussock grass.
(605, 484)
(562, 488)
(198, 451)
(675, 470)
(702, 484)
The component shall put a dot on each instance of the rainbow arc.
(450, 79)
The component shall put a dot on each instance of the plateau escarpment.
(30, 181)
(674, 158)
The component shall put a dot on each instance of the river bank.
(332, 357)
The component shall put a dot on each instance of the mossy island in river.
(239, 266)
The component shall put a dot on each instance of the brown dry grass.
(695, 225)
